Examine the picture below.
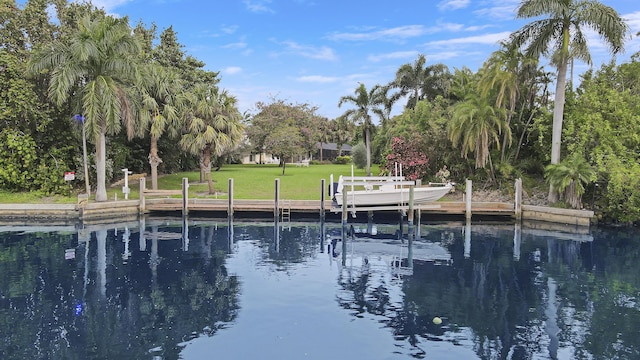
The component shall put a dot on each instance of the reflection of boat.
(382, 190)
(422, 251)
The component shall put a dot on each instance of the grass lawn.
(250, 182)
(258, 181)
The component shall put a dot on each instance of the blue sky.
(315, 51)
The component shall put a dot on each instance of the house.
(330, 151)
(257, 158)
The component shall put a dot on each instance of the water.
(205, 289)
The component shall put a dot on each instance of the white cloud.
(401, 32)
(259, 6)
(231, 70)
(486, 39)
(453, 4)
(108, 5)
(393, 55)
(317, 79)
(318, 53)
(237, 45)
(229, 29)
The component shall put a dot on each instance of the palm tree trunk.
(558, 115)
(101, 154)
(367, 142)
(206, 168)
(154, 161)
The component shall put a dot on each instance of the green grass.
(35, 198)
(250, 182)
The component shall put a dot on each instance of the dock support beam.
(276, 208)
(230, 208)
(518, 199)
(468, 199)
(322, 187)
(143, 205)
(185, 196)
(410, 214)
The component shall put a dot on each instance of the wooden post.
(468, 199)
(276, 208)
(142, 199)
(345, 217)
(518, 199)
(345, 213)
(185, 196)
(322, 185)
(230, 209)
(331, 186)
(410, 214)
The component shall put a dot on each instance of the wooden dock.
(315, 206)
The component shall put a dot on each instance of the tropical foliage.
(142, 95)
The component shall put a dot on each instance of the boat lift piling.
(322, 212)
(230, 204)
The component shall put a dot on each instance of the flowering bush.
(410, 154)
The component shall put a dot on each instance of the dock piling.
(185, 196)
(276, 208)
(468, 199)
(230, 205)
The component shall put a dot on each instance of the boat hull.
(421, 195)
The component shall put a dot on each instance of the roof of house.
(333, 146)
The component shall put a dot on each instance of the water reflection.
(273, 289)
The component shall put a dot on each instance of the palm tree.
(476, 124)
(214, 125)
(420, 82)
(366, 103)
(569, 177)
(558, 33)
(95, 68)
(502, 73)
(160, 111)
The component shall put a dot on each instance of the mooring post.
(331, 186)
(468, 199)
(185, 196)
(322, 185)
(345, 213)
(230, 209)
(518, 199)
(142, 199)
(276, 208)
(410, 214)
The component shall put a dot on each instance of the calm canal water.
(211, 289)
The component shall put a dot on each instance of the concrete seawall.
(127, 210)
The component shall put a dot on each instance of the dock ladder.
(285, 213)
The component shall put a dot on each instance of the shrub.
(343, 160)
(359, 153)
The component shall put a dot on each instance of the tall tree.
(502, 75)
(476, 124)
(366, 103)
(214, 125)
(419, 81)
(559, 34)
(160, 111)
(94, 69)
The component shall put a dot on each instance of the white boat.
(382, 190)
